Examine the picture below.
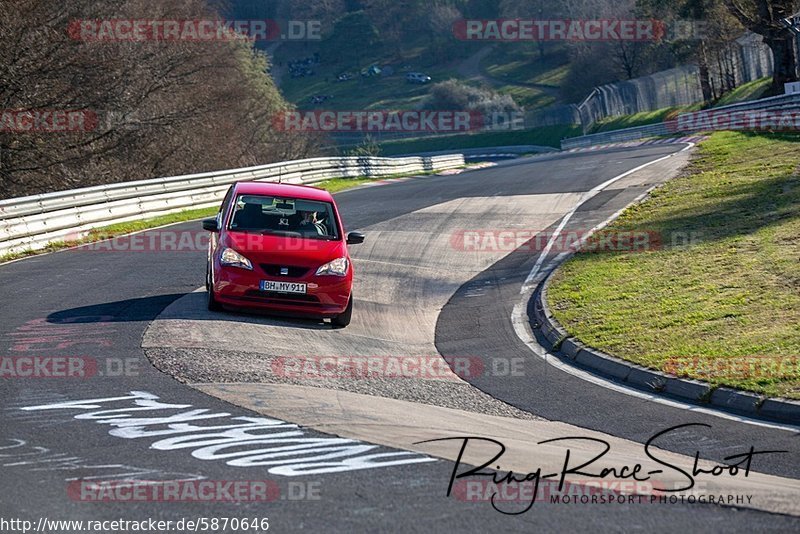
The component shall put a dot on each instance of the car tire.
(212, 303)
(343, 319)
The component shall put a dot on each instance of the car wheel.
(213, 305)
(343, 319)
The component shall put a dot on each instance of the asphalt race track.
(163, 360)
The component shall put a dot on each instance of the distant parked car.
(417, 77)
(319, 99)
(372, 70)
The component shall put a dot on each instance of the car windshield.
(291, 217)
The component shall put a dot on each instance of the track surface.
(100, 305)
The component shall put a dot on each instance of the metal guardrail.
(616, 136)
(31, 223)
(664, 128)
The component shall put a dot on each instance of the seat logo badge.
(284, 270)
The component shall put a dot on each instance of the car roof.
(283, 190)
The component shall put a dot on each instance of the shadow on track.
(148, 308)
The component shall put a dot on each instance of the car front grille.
(274, 269)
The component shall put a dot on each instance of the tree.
(764, 17)
(163, 107)
(710, 42)
(352, 34)
(527, 9)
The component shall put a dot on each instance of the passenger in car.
(250, 217)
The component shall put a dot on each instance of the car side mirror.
(355, 238)
(210, 225)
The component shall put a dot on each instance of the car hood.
(285, 250)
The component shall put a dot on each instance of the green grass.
(547, 136)
(521, 68)
(335, 185)
(106, 232)
(522, 65)
(153, 222)
(728, 300)
(749, 91)
(340, 184)
(529, 98)
(640, 119)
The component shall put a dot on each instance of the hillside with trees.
(357, 32)
(157, 108)
(162, 108)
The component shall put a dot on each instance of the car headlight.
(231, 258)
(337, 267)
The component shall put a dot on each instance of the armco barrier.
(30, 223)
(616, 136)
(773, 103)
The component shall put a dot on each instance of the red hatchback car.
(282, 248)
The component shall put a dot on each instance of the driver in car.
(309, 224)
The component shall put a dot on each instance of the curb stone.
(574, 352)
(736, 400)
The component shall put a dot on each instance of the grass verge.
(748, 91)
(524, 65)
(640, 119)
(724, 308)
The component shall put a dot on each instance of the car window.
(227, 199)
(225, 202)
(284, 216)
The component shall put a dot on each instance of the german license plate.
(283, 287)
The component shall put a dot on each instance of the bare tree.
(162, 107)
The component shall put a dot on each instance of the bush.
(455, 95)
(368, 147)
